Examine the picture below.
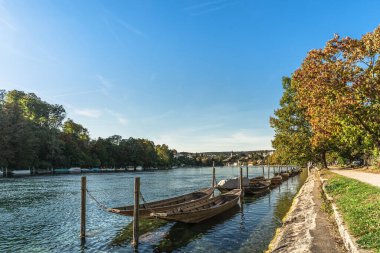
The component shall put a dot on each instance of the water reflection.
(181, 234)
(41, 214)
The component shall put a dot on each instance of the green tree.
(292, 130)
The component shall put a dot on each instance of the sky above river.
(196, 75)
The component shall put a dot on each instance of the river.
(42, 213)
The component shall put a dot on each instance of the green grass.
(359, 204)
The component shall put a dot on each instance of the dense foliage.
(34, 133)
(337, 92)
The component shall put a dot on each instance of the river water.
(42, 214)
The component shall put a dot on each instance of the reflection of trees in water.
(285, 199)
(181, 234)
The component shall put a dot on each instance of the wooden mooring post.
(83, 209)
(241, 180)
(247, 170)
(135, 240)
(263, 172)
(213, 177)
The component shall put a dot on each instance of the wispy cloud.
(89, 113)
(130, 27)
(5, 19)
(208, 7)
(119, 117)
(103, 81)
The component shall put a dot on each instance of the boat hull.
(202, 211)
(163, 205)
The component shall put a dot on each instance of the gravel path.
(369, 178)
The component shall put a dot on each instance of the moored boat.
(18, 173)
(275, 181)
(61, 170)
(284, 175)
(202, 210)
(227, 185)
(163, 205)
(75, 170)
(94, 170)
(257, 188)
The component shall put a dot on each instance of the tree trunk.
(324, 162)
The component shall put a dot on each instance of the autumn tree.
(339, 86)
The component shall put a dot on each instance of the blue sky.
(197, 75)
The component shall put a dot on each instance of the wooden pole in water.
(213, 177)
(263, 172)
(135, 240)
(83, 209)
(247, 170)
(241, 179)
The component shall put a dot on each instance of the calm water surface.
(41, 214)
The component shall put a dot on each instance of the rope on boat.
(100, 205)
(144, 204)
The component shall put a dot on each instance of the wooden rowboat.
(163, 205)
(257, 188)
(285, 176)
(275, 181)
(201, 210)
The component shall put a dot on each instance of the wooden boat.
(275, 181)
(284, 175)
(61, 170)
(202, 210)
(257, 179)
(75, 170)
(257, 188)
(163, 205)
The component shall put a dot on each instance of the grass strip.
(359, 204)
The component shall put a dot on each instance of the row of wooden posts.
(135, 237)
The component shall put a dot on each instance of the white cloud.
(119, 117)
(104, 82)
(241, 140)
(89, 113)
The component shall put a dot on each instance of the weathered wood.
(241, 179)
(83, 208)
(164, 204)
(197, 212)
(135, 240)
(264, 172)
(247, 171)
(213, 177)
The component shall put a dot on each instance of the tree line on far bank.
(34, 133)
(330, 108)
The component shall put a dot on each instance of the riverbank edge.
(304, 192)
(348, 239)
